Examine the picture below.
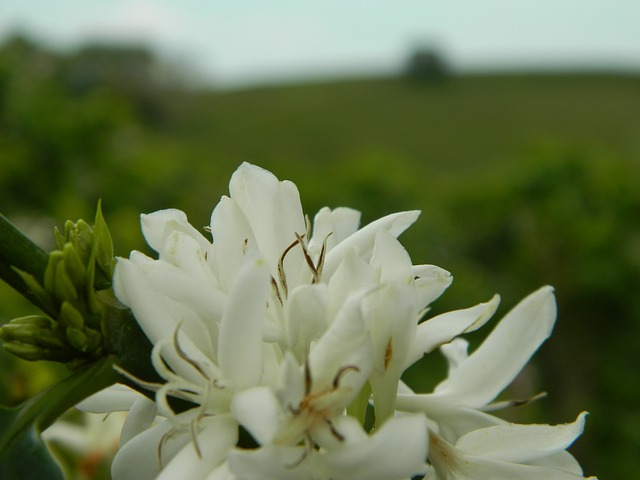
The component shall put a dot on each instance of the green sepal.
(103, 244)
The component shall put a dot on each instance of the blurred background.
(513, 126)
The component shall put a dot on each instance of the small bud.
(70, 316)
(77, 271)
(63, 287)
(34, 320)
(49, 339)
(19, 333)
(103, 244)
(77, 339)
(81, 237)
(26, 352)
(50, 273)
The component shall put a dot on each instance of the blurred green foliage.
(523, 181)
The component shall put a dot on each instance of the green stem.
(18, 251)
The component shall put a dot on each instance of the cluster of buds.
(70, 294)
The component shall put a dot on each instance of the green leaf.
(27, 458)
(22, 454)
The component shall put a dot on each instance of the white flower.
(280, 336)
(332, 309)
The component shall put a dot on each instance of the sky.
(240, 42)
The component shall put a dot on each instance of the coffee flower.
(276, 338)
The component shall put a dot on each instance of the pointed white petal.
(431, 281)
(240, 338)
(273, 463)
(394, 452)
(138, 458)
(258, 410)
(455, 352)
(449, 462)
(141, 416)
(345, 344)
(232, 240)
(521, 443)
(391, 259)
(488, 370)
(364, 238)
(157, 226)
(215, 440)
(333, 225)
(306, 317)
(117, 398)
(272, 209)
(442, 329)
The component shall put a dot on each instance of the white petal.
(141, 416)
(449, 462)
(390, 314)
(521, 443)
(157, 226)
(232, 240)
(352, 275)
(117, 398)
(455, 352)
(364, 238)
(334, 226)
(306, 317)
(391, 258)
(431, 281)
(240, 338)
(258, 410)
(138, 458)
(273, 463)
(453, 420)
(345, 344)
(394, 452)
(442, 329)
(489, 369)
(215, 441)
(272, 208)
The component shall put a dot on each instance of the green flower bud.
(26, 352)
(77, 339)
(63, 287)
(35, 320)
(103, 244)
(55, 257)
(49, 339)
(70, 316)
(94, 340)
(77, 271)
(19, 333)
(81, 237)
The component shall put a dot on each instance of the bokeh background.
(514, 128)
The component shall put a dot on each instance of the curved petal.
(214, 441)
(157, 226)
(521, 443)
(117, 398)
(442, 329)
(396, 451)
(141, 416)
(271, 207)
(488, 370)
(240, 338)
(258, 410)
(364, 238)
(138, 459)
